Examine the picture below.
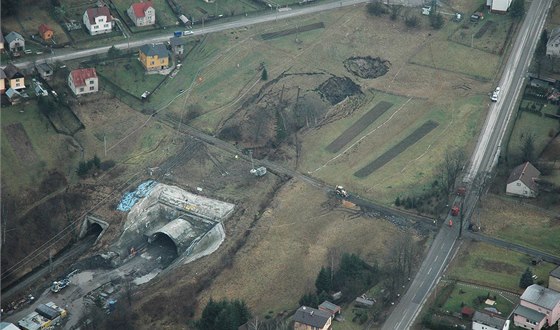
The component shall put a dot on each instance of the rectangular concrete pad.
(408, 141)
(361, 124)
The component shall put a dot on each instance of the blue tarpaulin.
(130, 198)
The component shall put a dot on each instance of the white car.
(495, 95)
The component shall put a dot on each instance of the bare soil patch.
(552, 150)
(336, 89)
(367, 67)
(351, 132)
(287, 32)
(408, 141)
(487, 26)
(497, 266)
(17, 136)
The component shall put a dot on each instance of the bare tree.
(452, 165)
(528, 147)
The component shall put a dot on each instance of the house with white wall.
(498, 6)
(489, 321)
(98, 20)
(83, 81)
(523, 181)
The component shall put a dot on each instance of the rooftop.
(92, 13)
(79, 76)
(154, 50)
(311, 316)
(491, 320)
(541, 296)
(13, 36)
(525, 172)
(140, 8)
(555, 272)
(528, 313)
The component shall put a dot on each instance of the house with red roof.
(46, 32)
(142, 13)
(98, 20)
(83, 81)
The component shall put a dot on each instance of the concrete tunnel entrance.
(93, 226)
(164, 248)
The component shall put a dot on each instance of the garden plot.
(407, 142)
(359, 126)
(21, 145)
(287, 32)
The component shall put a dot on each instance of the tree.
(451, 167)
(517, 8)
(9, 7)
(412, 21)
(395, 11)
(376, 8)
(323, 281)
(309, 300)
(224, 315)
(113, 52)
(96, 161)
(540, 51)
(528, 148)
(264, 74)
(436, 20)
(526, 279)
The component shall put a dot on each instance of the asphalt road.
(484, 158)
(72, 54)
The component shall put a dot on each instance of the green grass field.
(487, 265)
(51, 148)
(492, 40)
(458, 58)
(466, 295)
(530, 123)
(510, 220)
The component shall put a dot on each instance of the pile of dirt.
(367, 67)
(336, 89)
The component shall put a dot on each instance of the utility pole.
(462, 216)
(105, 144)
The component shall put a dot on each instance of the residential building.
(16, 78)
(44, 70)
(177, 45)
(553, 44)
(498, 6)
(15, 42)
(538, 307)
(83, 81)
(487, 321)
(523, 181)
(142, 13)
(154, 57)
(98, 20)
(554, 279)
(307, 318)
(46, 32)
(2, 42)
(2, 81)
(8, 326)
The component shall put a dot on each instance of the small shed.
(363, 302)
(14, 96)
(329, 307)
(46, 32)
(467, 312)
(178, 45)
(44, 70)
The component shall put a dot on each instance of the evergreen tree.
(309, 300)
(224, 315)
(398, 201)
(517, 8)
(526, 279)
(264, 74)
(323, 281)
(436, 21)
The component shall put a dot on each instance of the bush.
(412, 21)
(376, 9)
(436, 21)
(231, 133)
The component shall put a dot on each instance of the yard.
(493, 267)
(516, 221)
(540, 127)
(164, 14)
(464, 294)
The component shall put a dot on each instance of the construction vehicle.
(455, 210)
(56, 286)
(339, 190)
(450, 224)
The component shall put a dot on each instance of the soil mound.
(367, 67)
(336, 89)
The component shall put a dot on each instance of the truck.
(56, 286)
(341, 192)
(455, 210)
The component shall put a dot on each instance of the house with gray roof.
(545, 306)
(553, 44)
(15, 42)
(44, 70)
(154, 57)
(554, 279)
(312, 319)
(178, 45)
(489, 321)
(523, 181)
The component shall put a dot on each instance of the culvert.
(93, 226)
